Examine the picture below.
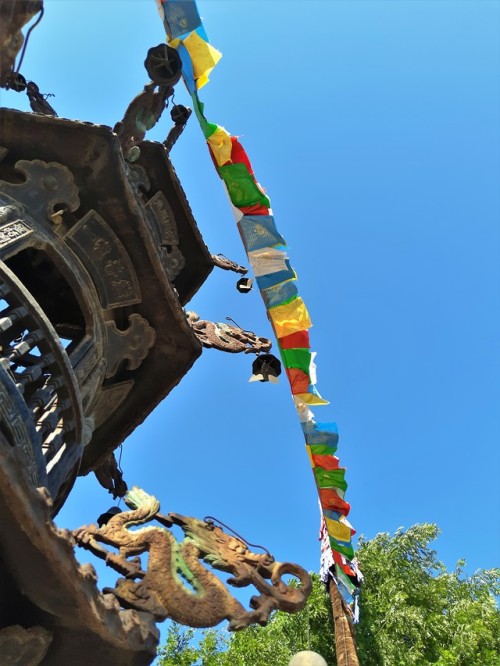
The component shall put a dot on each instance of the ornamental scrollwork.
(228, 265)
(176, 585)
(227, 338)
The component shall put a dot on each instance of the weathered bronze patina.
(228, 265)
(99, 254)
(162, 589)
(227, 338)
(14, 14)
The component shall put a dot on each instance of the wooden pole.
(345, 645)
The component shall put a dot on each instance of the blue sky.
(374, 127)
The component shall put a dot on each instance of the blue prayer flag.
(259, 231)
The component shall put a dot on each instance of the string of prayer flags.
(267, 253)
(347, 574)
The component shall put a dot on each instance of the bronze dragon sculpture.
(176, 585)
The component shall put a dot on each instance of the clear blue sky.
(374, 127)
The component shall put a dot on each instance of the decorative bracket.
(141, 115)
(133, 344)
(46, 185)
(162, 590)
(227, 338)
(228, 265)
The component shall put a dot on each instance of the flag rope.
(268, 256)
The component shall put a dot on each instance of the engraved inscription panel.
(163, 215)
(12, 232)
(164, 227)
(106, 259)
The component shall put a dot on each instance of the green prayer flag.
(207, 128)
(344, 579)
(346, 551)
(333, 478)
(241, 185)
(322, 450)
(297, 358)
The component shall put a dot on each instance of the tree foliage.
(413, 613)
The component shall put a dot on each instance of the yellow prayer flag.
(337, 530)
(312, 399)
(220, 143)
(203, 79)
(290, 318)
(203, 57)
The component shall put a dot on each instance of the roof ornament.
(226, 264)
(266, 368)
(176, 584)
(227, 338)
(163, 64)
(180, 115)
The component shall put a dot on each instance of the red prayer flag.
(299, 380)
(326, 462)
(330, 500)
(238, 154)
(340, 560)
(256, 209)
(298, 340)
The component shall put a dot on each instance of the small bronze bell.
(105, 517)
(266, 367)
(244, 285)
(163, 64)
(180, 114)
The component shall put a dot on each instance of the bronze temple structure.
(99, 254)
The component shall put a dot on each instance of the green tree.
(413, 613)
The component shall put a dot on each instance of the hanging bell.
(266, 368)
(180, 114)
(105, 517)
(163, 64)
(244, 285)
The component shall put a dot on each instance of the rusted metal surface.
(38, 101)
(24, 647)
(43, 584)
(166, 233)
(14, 14)
(43, 377)
(180, 115)
(44, 186)
(190, 260)
(141, 115)
(109, 252)
(227, 338)
(99, 252)
(161, 589)
(110, 476)
(132, 344)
